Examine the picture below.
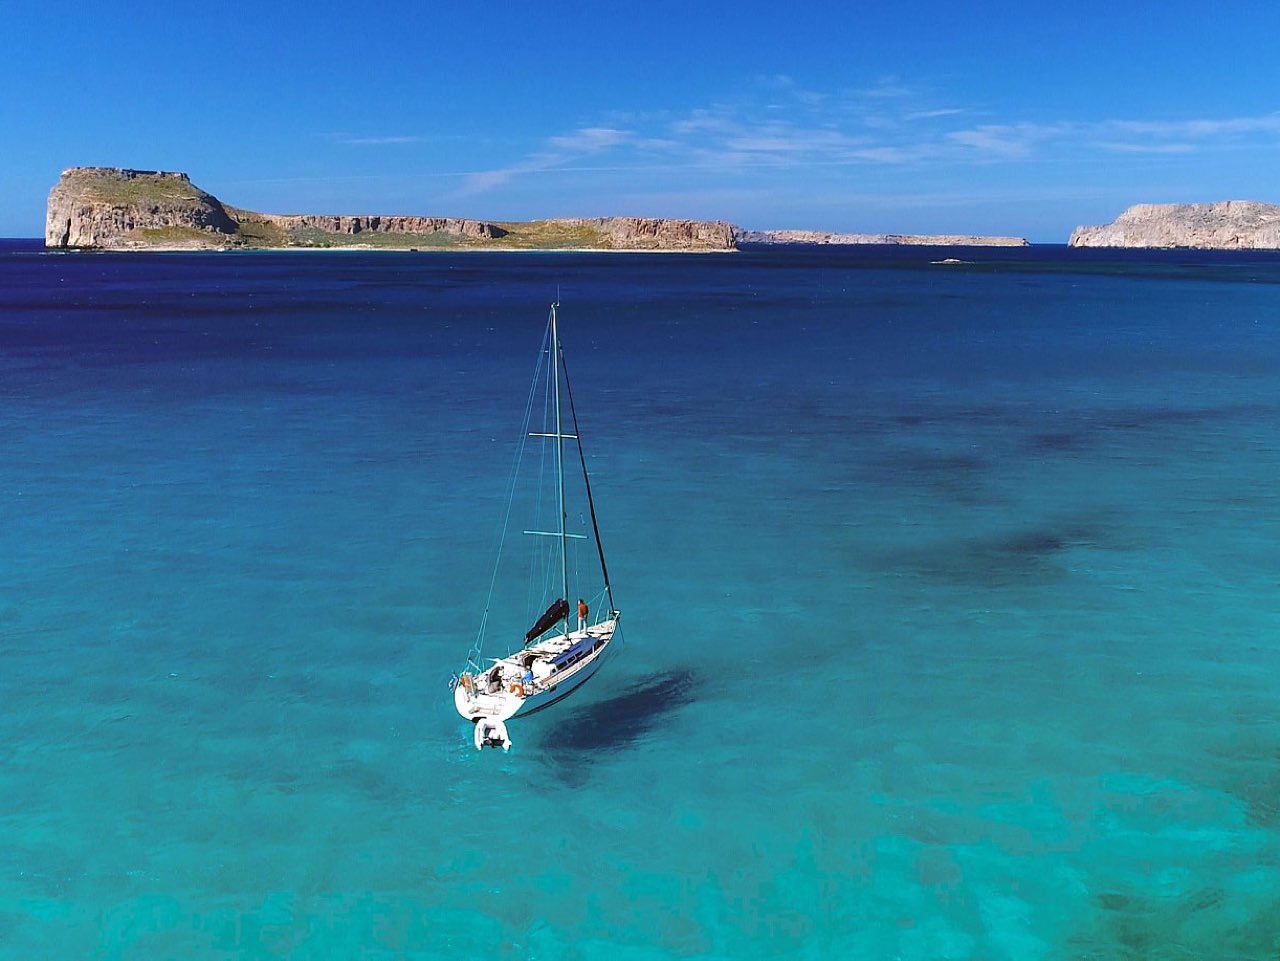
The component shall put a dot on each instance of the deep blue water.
(952, 606)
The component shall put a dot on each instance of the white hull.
(559, 665)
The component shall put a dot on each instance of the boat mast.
(556, 361)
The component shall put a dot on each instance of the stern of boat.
(475, 705)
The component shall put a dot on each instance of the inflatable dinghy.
(490, 732)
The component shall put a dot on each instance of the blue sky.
(1012, 118)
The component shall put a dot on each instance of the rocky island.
(1226, 225)
(114, 208)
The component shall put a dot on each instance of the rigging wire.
(473, 655)
(542, 554)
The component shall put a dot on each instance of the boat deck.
(513, 672)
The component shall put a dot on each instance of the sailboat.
(564, 646)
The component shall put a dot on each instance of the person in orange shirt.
(582, 614)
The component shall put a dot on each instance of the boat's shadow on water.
(606, 727)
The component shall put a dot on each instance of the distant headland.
(1227, 225)
(112, 208)
(913, 240)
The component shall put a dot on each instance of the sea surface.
(951, 605)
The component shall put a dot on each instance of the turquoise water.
(952, 607)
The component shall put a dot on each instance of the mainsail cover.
(555, 613)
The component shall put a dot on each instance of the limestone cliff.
(921, 240)
(1226, 225)
(352, 226)
(650, 233)
(109, 207)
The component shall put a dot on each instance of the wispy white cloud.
(776, 123)
(893, 156)
(889, 88)
(1202, 128)
(706, 120)
(1008, 141)
(1145, 148)
(1013, 141)
(791, 140)
(557, 152)
(379, 141)
(590, 140)
(934, 114)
